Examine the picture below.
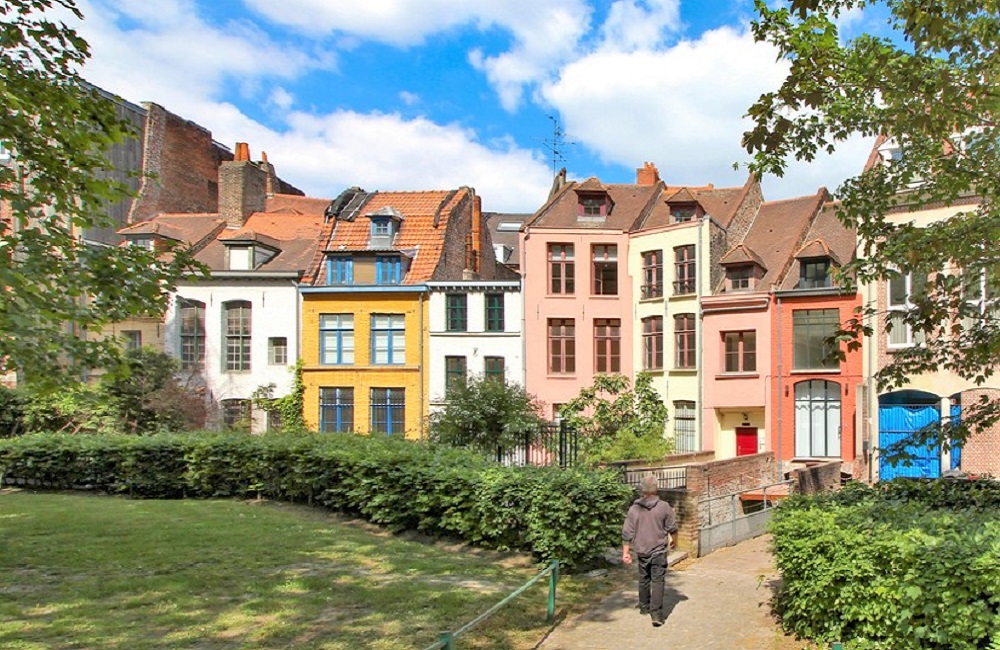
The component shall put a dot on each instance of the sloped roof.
(295, 204)
(829, 234)
(816, 248)
(719, 203)
(742, 254)
(777, 231)
(508, 237)
(422, 231)
(295, 236)
(630, 203)
(190, 228)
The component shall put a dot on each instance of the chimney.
(242, 187)
(647, 174)
(477, 235)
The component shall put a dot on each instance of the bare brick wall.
(733, 474)
(822, 477)
(981, 454)
(183, 160)
(242, 191)
(685, 504)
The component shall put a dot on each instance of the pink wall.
(744, 312)
(582, 306)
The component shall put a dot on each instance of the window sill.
(651, 299)
(737, 375)
(561, 375)
(653, 371)
(815, 371)
(683, 371)
(680, 296)
(605, 296)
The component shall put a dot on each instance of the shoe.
(657, 622)
(643, 611)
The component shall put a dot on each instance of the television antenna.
(557, 145)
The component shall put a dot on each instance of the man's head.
(648, 486)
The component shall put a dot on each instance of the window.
(192, 317)
(592, 205)
(339, 270)
(652, 343)
(388, 339)
(277, 350)
(562, 345)
(684, 269)
(817, 419)
(240, 258)
(336, 339)
(741, 278)
(142, 242)
(980, 291)
(684, 426)
(388, 269)
(494, 312)
(814, 274)
(607, 345)
(133, 339)
(810, 330)
(652, 274)
(236, 321)
(236, 413)
(336, 410)
(454, 372)
(456, 312)
(683, 213)
(381, 228)
(605, 270)
(904, 290)
(273, 419)
(684, 341)
(740, 351)
(493, 368)
(561, 271)
(388, 409)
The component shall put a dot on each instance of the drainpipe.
(781, 388)
(698, 334)
(870, 397)
(423, 364)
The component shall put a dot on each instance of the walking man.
(648, 529)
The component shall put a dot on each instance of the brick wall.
(242, 191)
(722, 477)
(183, 161)
(685, 504)
(981, 454)
(822, 477)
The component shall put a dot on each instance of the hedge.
(905, 565)
(571, 515)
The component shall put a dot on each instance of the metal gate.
(897, 423)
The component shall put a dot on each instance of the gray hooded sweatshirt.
(646, 526)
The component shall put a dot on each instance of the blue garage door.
(896, 423)
(956, 452)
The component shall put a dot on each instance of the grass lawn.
(81, 571)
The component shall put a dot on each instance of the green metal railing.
(447, 639)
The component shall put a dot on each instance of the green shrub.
(912, 565)
(572, 515)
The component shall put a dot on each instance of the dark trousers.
(652, 574)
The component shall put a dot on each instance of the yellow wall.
(728, 421)
(412, 376)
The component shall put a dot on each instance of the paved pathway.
(713, 603)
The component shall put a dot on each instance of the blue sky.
(434, 94)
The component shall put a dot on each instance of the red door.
(746, 441)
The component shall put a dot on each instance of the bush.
(905, 565)
(572, 515)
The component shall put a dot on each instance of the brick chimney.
(647, 174)
(242, 187)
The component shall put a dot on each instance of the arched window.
(192, 317)
(817, 419)
(236, 332)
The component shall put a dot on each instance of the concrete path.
(719, 602)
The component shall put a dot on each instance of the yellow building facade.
(365, 356)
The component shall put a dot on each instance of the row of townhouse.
(729, 302)
(388, 297)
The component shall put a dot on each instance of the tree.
(931, 86)
(145, 396)
(617, 421)
(289, 408)
(488, 415)
(58, 289)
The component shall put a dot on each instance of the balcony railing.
(652, 290)
(684, 286)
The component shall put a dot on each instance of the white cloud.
(281, 99)
(680, 107)
(545, 34)
(408, 98)
(633, 25)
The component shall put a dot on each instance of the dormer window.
(388, 269)
(593, 206)
(741, 278)
(683, 212)
(142, 242)
(247, 254)
(815, 273)
(385, 224)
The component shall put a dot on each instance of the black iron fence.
(552, 444)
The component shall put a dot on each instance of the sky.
(436, 94)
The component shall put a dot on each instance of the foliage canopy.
(54, 186)
(927, 85)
